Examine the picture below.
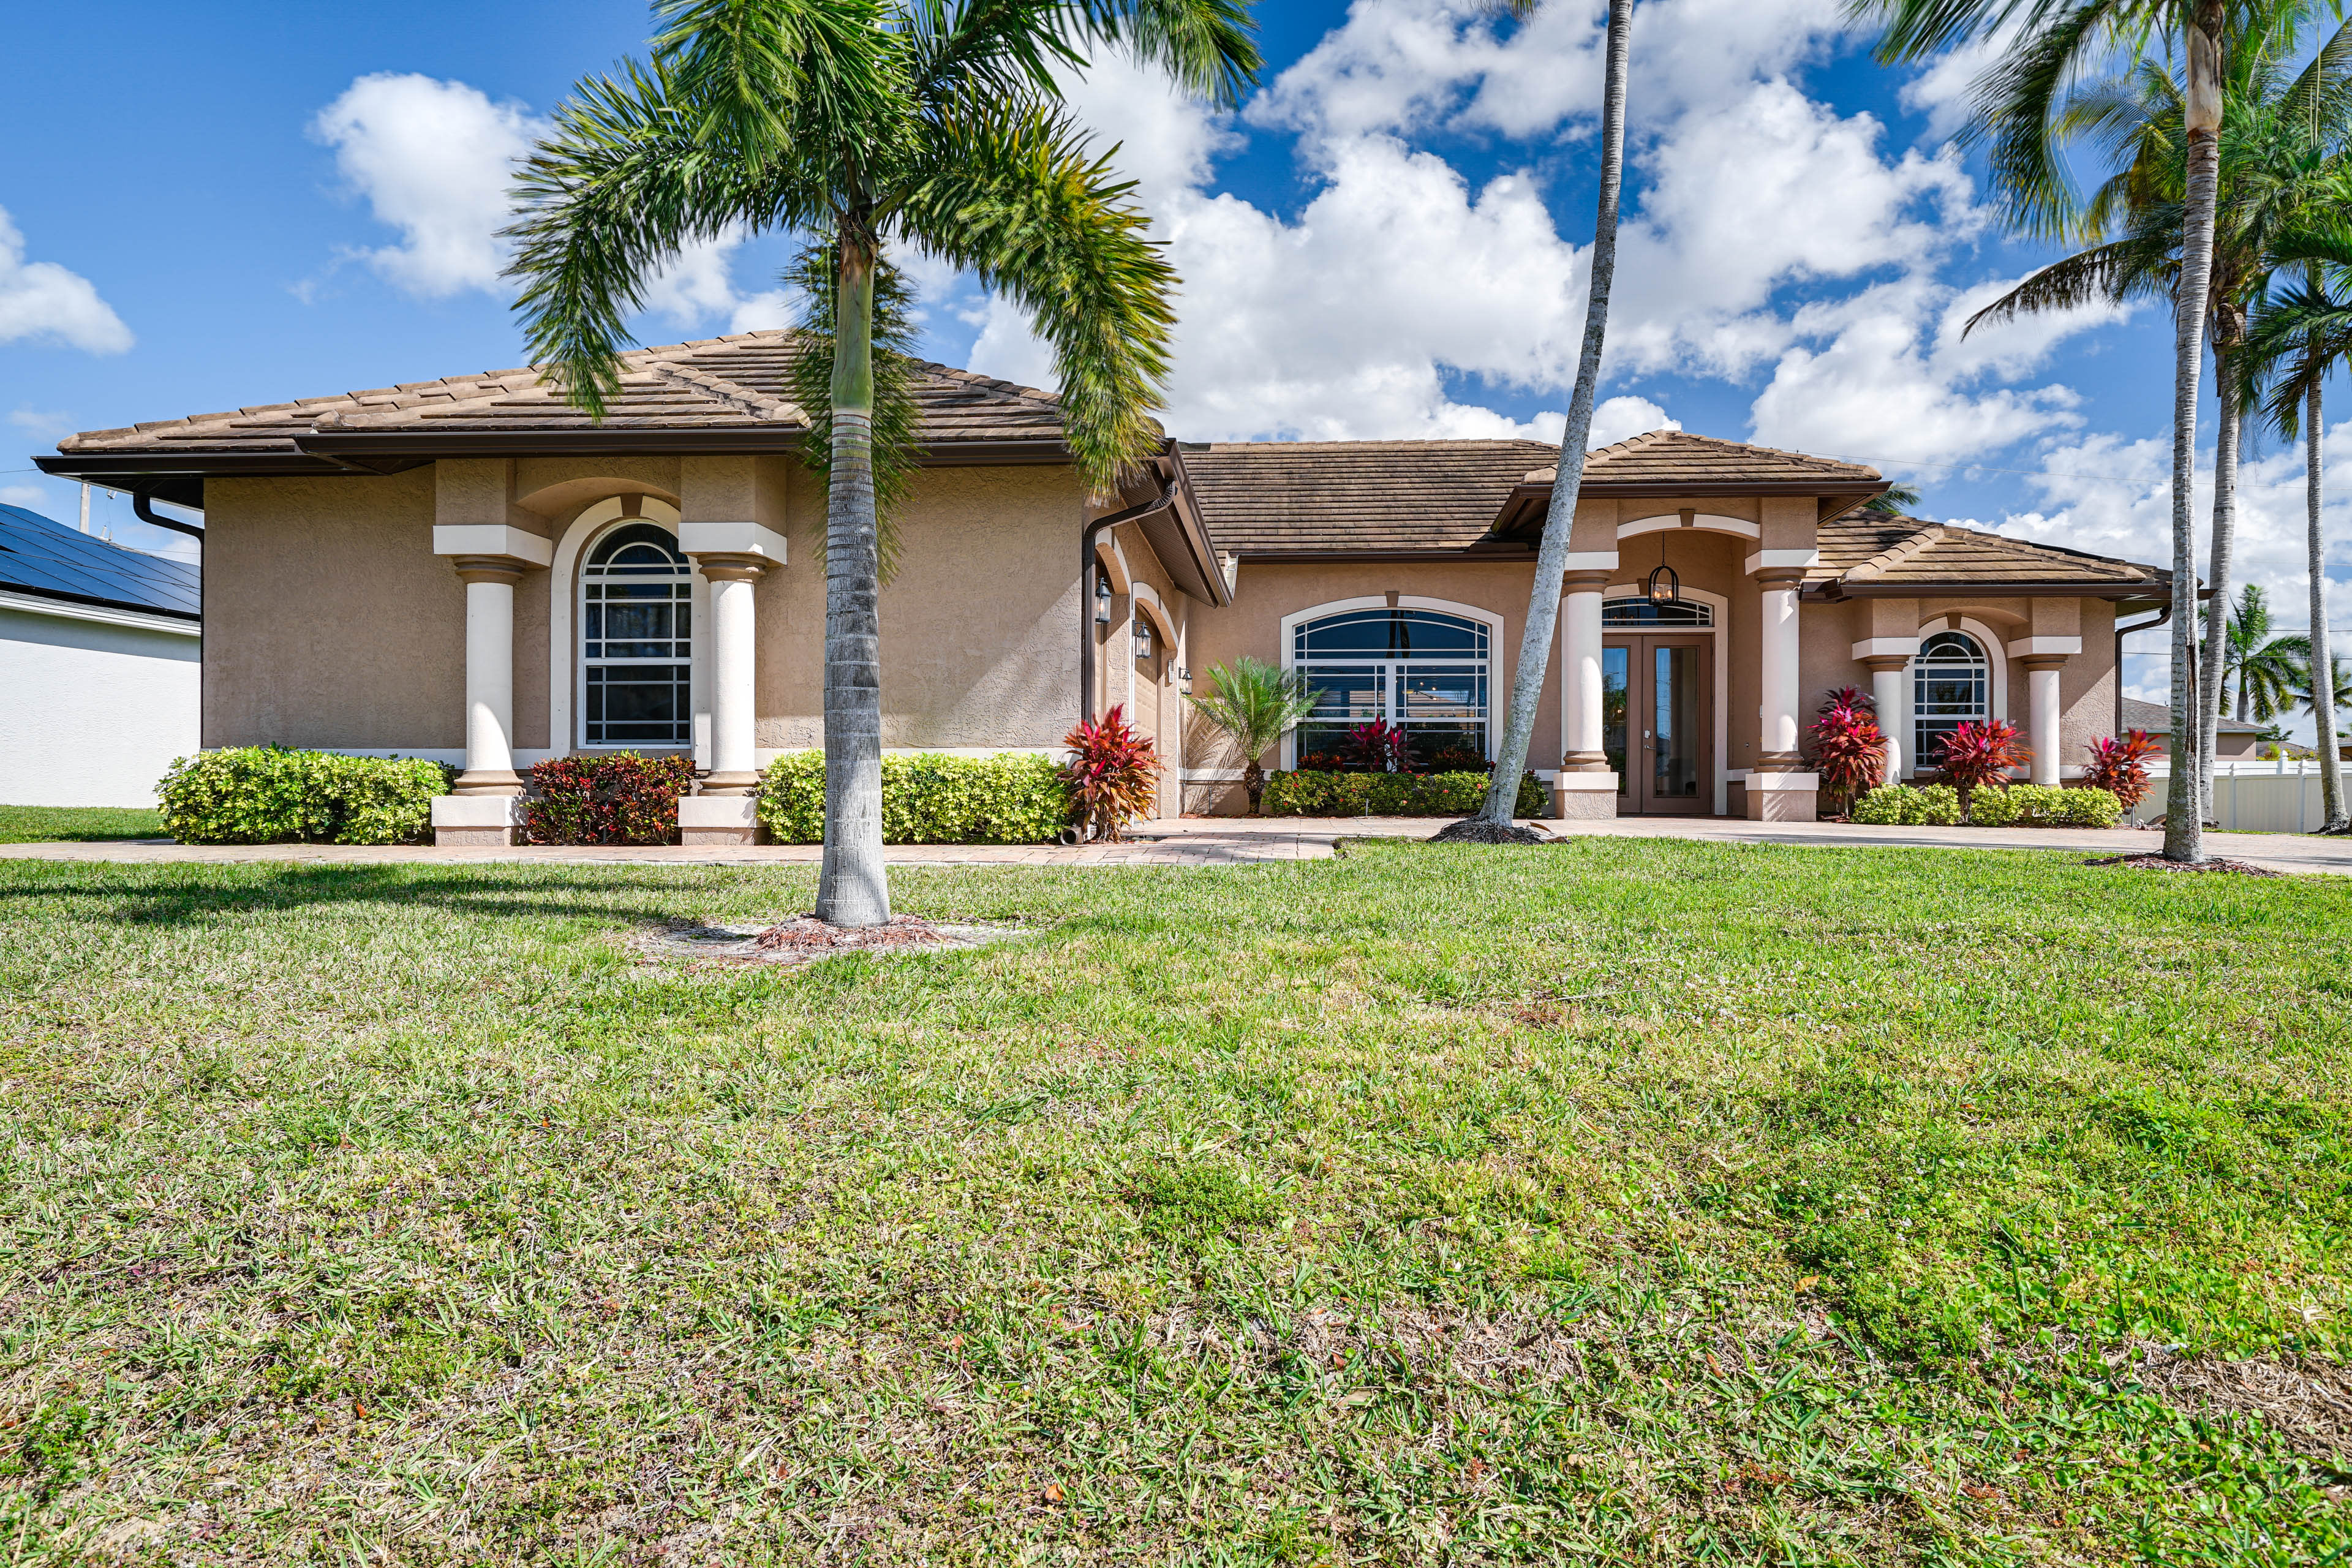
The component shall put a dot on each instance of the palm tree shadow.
(196, 896)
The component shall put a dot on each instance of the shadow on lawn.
(197, 896)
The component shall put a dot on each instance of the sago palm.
(1568, 476)
(2020, 103)
(1256, 704)
(2281, 143)
(864, 127)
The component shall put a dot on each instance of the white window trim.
(1720, 632)
(1499, 672)
(567, 675)
(1996, 695)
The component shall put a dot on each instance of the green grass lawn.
(1619, 1201)
(49, 824)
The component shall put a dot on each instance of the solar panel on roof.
(47, 558)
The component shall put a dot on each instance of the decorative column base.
(718, 819)
(1774, 795)
(478, 820)
(1584, 796)
(731, 784)
(488, 782)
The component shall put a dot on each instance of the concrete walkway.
(1227, 841)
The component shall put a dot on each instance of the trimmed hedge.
(2018, 806)
(270, 794)
(1306, 792)
(1013, 797)
(1900, 806)
(619, 798)
(2045, 805)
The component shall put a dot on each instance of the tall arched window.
(1951, 686)
(1421, 670)
(636, 640)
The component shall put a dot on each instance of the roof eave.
(1837, 588)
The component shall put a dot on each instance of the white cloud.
(1898, 381)
(30, 497)
(434, 159)
(1621, 419)
(1767, 234)
(42, 302)
(42, 424)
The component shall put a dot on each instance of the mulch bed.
(803, 939)
(2153, 862)
(1470, 830)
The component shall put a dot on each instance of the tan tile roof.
(1679, 457)
(1861, 550)
(718, 384)
(1261, 497)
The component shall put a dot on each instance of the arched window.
(1951, 686)
(1421, 670)
(636, 640)
(1641, 613)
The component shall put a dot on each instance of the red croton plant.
(623, 798)
(1113, 773)
(1980, 755)
(1848, 751)
(2119, 766)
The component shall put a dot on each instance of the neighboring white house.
(100, 665)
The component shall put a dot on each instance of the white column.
(2042, 721)
(1580, 667)
(1780, 675)
(1887, 677)
(734, 763)
(489, 676)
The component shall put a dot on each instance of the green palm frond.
(603, 202)
(1018, 197)
(1208, 47)
(897, 415)
(1255, 703)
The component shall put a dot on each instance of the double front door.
(1657, 723)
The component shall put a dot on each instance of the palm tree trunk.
(1568, 478)
(852, 888)
(2216, 673)
(2323, 665)
(2184, 820)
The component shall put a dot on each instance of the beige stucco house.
(468, 569)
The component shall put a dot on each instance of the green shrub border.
(2016, 806)
(1318, 793)
(927, 798)
(275, 794)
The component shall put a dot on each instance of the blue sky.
(221, 205)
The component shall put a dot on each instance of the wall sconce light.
(1102, 597)
(1142, 638)
(1184, 681)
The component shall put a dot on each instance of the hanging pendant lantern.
(1664, 587)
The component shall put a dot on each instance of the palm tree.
(865, 125)
(1256, 704)
(2280, 149)
(2267, 668)
(2019, 102)
(1894, 500)
(2297, 338)
(1568, 478)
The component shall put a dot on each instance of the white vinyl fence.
(2281, 796)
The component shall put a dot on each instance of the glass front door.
(1657, 722)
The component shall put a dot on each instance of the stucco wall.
(328, 619)
(91, 713)
(979, 628)
(1266, 592)
(2086, 682)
